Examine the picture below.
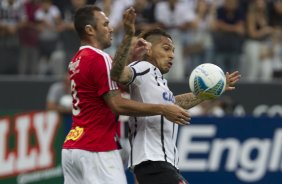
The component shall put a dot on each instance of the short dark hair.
(85, 16)
(154, 32)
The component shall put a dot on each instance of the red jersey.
(94, 126)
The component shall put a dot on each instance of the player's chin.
(108, 44)
(165, 70)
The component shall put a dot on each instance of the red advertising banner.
(30, 148)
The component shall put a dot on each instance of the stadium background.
(254, 131)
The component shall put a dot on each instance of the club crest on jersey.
(73, 66)
(168, 96)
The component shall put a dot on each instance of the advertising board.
(30, 148)
(225, 150)
(231, 150)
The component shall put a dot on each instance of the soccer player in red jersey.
(90, 151)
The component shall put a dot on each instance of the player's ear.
(89, 29)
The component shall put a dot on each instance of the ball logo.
(217, 89)
(199, 85)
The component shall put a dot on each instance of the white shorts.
(85, 167)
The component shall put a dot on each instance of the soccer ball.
(207, 81)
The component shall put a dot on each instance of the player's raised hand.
(129, 21)
(176, 114)
(139, 48)
(231, 80)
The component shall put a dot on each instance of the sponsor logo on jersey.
(74, 134)
(168, 96)
(73, 66)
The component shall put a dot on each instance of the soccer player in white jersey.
(153, 155)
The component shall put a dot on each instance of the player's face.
(103, 30)
(162, 54)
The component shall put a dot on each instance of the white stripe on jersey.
(108, 61)
(109, 64)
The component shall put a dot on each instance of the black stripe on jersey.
(163, 79)
(135, 126)
(174, 150)
(144, 72)
(132, 135)
(135, 74)
(156, 77)
(135, 63)
(162, 137)
(131, 145)
(173, 130)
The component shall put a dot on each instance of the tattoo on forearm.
(187, 100)
(121, 57)
(111, 94)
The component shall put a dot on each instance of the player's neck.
(150, 60)
(91, 43)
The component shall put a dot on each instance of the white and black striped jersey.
(152, 137)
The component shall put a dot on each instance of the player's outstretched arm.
(187, 100)
(123, 106)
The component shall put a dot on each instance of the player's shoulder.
(89, 58)
(88, 52)
(141, 64)
(141, 68)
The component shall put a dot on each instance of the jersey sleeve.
(101, 74)
(139, 69)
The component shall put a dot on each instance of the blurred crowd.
(37, 37)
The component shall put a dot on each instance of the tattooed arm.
(187, 100)
(120, 72)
